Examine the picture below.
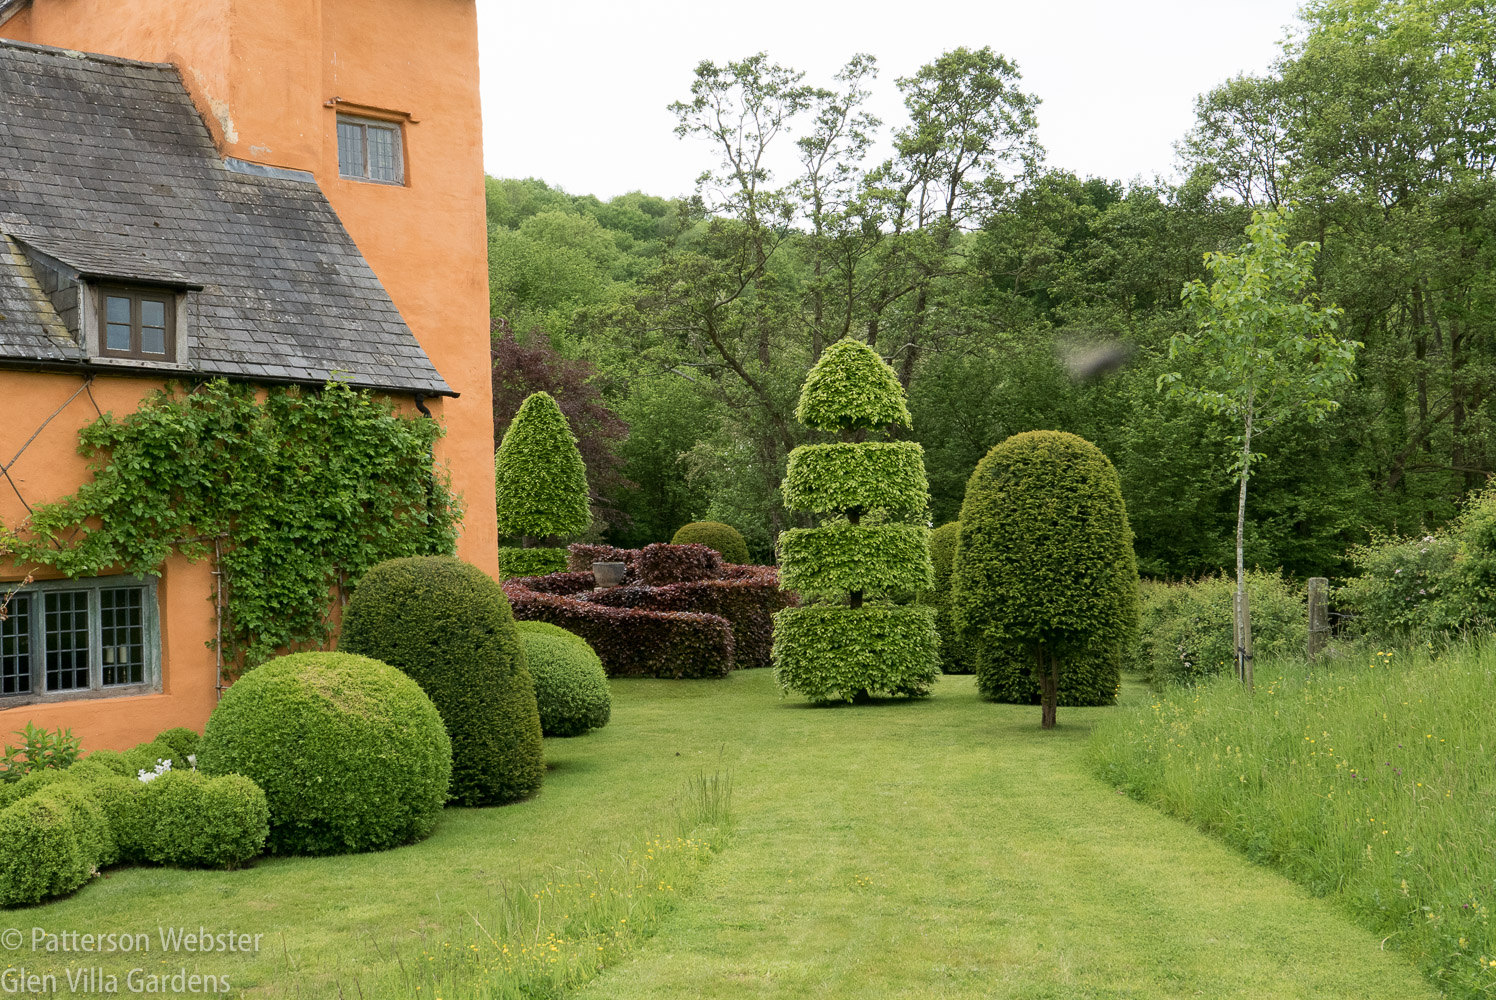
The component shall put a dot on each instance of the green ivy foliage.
(351, 755)
(726, 540)
(871, 475)
(571, 687)
(1045, 557)
(531, 562)
(448, 625)
(541, 479)
(834, 653)
(878, 559)
(954, 657)
(309, 489)
(851, 388)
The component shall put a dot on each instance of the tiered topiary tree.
(541, 483)
(448, 625)
(1044, 588)
(727, 540)
(835, 650)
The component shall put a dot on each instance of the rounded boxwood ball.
(724, 538)
(448, 625)
(571, 687)
(351, 754)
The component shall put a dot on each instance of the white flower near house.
(162, 766)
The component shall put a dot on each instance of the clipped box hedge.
(878, 559)
(660, 565)
(571, 687)
(581, 556)
(633, 642)
(870, 475)
(531, 562)
(748, 599)
(830, 652)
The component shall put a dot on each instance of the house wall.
(49, 468)
(262, 73)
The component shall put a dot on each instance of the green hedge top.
(724, 538)
(851, 387)
(835, 558)
(1045, 552)
(540, 477)
(873, 475)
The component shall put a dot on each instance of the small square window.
(138, 323)
(370, 150)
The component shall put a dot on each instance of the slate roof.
(107, 171)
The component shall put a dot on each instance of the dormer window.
(370, 150)
(137, 323)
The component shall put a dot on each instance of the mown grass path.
(945, 849)
(949, 848)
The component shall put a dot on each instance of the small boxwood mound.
(571, 688)
(350, 752)
(55, 839)
(515, 562)
(448, 625)
(191, 820)
(727, 540)
(830, 652)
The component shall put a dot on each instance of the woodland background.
(676, 331)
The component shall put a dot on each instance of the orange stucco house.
(269, 191)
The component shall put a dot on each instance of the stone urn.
(607, 574)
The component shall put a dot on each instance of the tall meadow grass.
(1370, 778)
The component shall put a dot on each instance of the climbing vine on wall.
(302, 490)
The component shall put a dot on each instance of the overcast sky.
(575, 91)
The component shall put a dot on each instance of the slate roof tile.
(107, 163)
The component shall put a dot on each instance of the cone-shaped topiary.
(830, 651)
(448, 625)
(851, 388)
(727, 540)
(954, 658)
(539, 474)
(1044, 571)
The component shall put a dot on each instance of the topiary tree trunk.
(861, 555)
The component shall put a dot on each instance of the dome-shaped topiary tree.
(836, 650)
(724, 538)
(1044, 578)
(954, 658)
(541, 484)
(448, 625)
(351, 754)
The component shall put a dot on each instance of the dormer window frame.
(139, 323)
(95, 323)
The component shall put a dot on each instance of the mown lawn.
(945, 848)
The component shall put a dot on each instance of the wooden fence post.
(1319, 616)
